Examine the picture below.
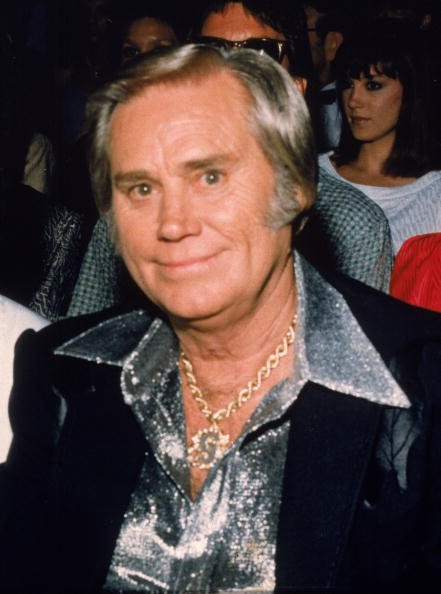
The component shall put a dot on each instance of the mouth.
(188, 265)
(358, 121)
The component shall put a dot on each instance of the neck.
(324, 77)
(232, 338)
(373, 155)
(228, 355)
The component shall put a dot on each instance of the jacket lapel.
(93, 478)
(330, 444)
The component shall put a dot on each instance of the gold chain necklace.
(208, 445)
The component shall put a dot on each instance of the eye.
(140, 191)
(211, 178)
(373, 85)
(129, 51)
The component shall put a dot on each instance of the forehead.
(236, 24)
(210, 112)
(148, 28)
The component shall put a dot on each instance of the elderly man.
(346, 232)
(268, 429)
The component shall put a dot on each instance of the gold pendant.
(208, 446)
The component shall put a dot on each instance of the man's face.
(236, 24)
(323, 49)
(191, 195)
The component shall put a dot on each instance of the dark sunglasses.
(275, 48)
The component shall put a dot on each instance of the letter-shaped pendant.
(208, 446)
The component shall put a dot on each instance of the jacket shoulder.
(390, 324)
(335, 195)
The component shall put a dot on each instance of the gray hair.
(278, 118)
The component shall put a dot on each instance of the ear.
(303, 201)
(301, 84)
(333, 41)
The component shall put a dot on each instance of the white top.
(14, 319)
(411, 209)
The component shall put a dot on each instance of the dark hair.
(285, 17)
(132, 11)
(395, 49)
(334, 15)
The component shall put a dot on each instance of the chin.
(191, 303)
(191, 312)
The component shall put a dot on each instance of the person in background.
(191, 451)
(345, 232)
(14, 319)
(419, 12)
(225, 22)
(143, 30)
(85, 31)
(386, 149)
(416, 275)
(328, 22)
(26, 152)
(40, 238)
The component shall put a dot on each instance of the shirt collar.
(332, 348)
(335, 351)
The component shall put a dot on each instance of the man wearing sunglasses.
(265, 26)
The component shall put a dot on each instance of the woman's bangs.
(363, 66)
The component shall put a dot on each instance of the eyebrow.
(122, 179)
(215, 160)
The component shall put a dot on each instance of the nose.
(177, 217)
(354, 97)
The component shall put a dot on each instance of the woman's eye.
(211, 177)
(373, 85)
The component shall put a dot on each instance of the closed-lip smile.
(187, 263)
(358, 120)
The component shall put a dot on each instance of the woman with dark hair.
(386, 149)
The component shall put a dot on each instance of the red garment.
(416, 277)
